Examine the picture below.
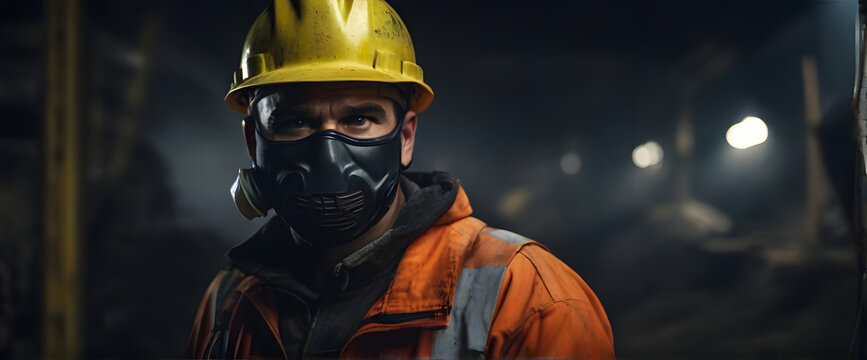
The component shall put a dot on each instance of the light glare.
(570, 163)
(751, 131)
(647, 154)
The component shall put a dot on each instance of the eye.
(296, 123)
(356, 121)
(287, 124)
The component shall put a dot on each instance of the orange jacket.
(461, 289)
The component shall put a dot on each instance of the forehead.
(312, 94)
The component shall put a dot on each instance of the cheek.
(249, 131)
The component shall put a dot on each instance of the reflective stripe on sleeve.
(508, 236)
(472, 310)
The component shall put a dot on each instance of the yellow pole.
(62, 318)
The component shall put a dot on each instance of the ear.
(407, 137)
(249, 127)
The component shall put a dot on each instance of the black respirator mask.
(330, 188)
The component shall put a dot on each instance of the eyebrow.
(366, 108)
(293, 112)
(282, 114)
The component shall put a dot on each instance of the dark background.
(719, 266)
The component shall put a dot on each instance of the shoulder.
(528, 264)
(226, 281)
(540, 297)
(496, 247)
(536, 266)
(222, 294)
(208, 316)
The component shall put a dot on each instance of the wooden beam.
(815, 168)
(63, 328)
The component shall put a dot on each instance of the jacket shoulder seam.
(460, 231)
(538, 273)
(510, 337)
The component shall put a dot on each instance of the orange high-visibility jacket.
(461, 289)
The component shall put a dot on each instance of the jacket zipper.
(304, 305)
(330, 289)
(400, 318)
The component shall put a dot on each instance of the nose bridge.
(328, 162)
(328, 124)
(329, 117)
(325, 113)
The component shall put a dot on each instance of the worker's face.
(356, 110)
(329, 188)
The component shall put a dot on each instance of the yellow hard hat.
(328, 40)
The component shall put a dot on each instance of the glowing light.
(750, 132)
(515, 202)
(570, 163)
(647, 154)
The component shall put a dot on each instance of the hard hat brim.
(421, 98)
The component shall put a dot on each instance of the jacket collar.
(429, 196)
(428, 272)
(434, 199)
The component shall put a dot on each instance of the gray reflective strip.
(508, 236)
(472, 310)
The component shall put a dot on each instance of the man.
(361, 258)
